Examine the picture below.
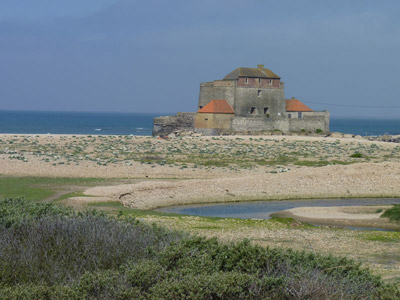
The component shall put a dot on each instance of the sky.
(151, 56)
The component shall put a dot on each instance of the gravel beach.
(249, 175)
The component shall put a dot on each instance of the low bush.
(60, 254)
(392, 213)
(357, 155)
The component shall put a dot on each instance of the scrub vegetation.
(51, 252)
(392, 213)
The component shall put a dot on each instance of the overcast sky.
(150, 56)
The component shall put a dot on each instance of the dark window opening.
(289, 116)
(270, 82)
(253, 110)
(200, 107)
(206, 119)
(266, 110)
(247, 80)
(259, 80)
(259, 93)
(300, 115)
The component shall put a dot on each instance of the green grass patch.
(320, 163)
(38, 188)
(116, 208)
(357, 155)
(286, 221)
(71, 195)
(386, 237)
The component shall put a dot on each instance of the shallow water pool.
(263, 209)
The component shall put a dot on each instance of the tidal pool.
(263, 209)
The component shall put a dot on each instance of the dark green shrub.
(51, 253)
(54, 248)
(392, 213)
(17, 210)
(218, 285)
(318, 130)
(357, 155)
(144, 274)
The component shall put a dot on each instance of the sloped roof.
(217, 107)
(296, 105)
(259, 72)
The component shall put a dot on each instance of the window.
(289, 116)
(247, 80)
(259, 93)
(300, 115)
(266, 110)
(252, 110)
(270, 82)
(200, 107)
(206, 119)
(259, 80)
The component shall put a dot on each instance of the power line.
(353, 106)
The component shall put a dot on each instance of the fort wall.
(217, 90)
(258, 124)
(260, 101)
(211, 120)
(258, 82)
(309, 121)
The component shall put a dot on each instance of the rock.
(348, 136)
(336, 135)
(186, 133)
(358, 137)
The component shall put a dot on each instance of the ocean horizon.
(116, 123)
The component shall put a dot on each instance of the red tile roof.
(296, 105)
(217, 107)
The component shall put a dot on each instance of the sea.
(34, 122)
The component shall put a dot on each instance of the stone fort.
(246, 101)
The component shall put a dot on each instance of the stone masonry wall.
(272, 99)
(218, 90)
(258, 82)
(259, 124)
(311, 121)
(205, 120)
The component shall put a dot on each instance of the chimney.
(260, 67)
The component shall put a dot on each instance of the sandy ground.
(118, 157)
(357, 180)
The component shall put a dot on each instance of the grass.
(386, 237)
(39, 188)
(116, 208)
(320, 163)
